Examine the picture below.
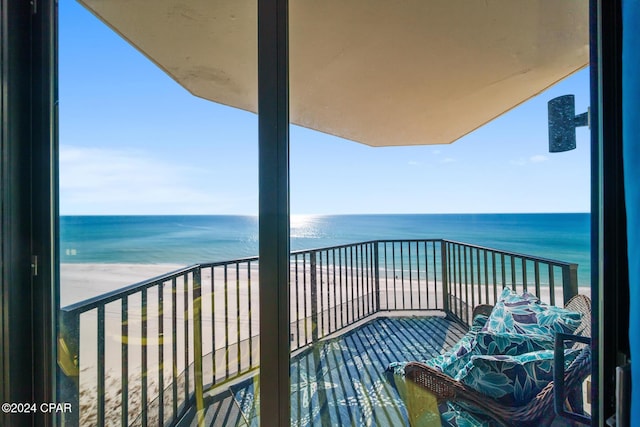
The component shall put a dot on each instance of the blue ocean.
(193, 239)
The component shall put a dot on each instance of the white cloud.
(413, 163)
(127, 181)
(521, 161)
(436, 152)
(538, 158)
(448, 160)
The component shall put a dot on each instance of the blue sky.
(132, 141)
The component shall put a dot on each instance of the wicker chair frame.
(539, 411)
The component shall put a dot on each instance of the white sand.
(79, 282)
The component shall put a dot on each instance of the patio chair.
(540, 410)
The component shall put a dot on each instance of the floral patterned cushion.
(485, 343)
(526, 314)
(511, 344)
(451, 361)
(512, 380)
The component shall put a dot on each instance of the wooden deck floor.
(341, 381)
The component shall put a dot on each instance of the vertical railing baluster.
(495, 276)
(297, 286)
(335, 285)
(410, 276)
(386, 277)
(161, 353)
(213, 326)
(342, 289)
(453, 288)
(466, 285)
(306, 308)
(143, 343)
(471, 274)
(328, 294)
(404, 305)
(185, 307)
(226, 322)
(238, 336)
(513, 272)
(376, 266)
(479, 268)
(321, 328)
(536, 273)
(174, 344)
(101, 370)
(364, 260)
(552, 285)
(486, 276)
(366, 267)
(395, 276)
(504, 270)
(314, 299)
(357, 285)
(124, 361)
(418, 273)
(367, 279)
(524, 274)
(443, 273)
(459, 296)
(250, 313)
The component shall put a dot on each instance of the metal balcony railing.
(144, 354)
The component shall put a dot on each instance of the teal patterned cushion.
(512, 380)
(511, 344)
(526, 314)
(451, 361)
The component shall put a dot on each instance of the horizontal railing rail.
(146, 353)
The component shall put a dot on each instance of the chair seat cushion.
(511, 380)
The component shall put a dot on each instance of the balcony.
(183, 347)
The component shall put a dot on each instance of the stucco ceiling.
(380, 72)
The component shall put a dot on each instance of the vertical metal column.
(569, 281)
(28, 188)
(273, 125)
(444, 247)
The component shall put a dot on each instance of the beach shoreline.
(81, 281)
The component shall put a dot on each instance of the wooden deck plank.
(342, 380)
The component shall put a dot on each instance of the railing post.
(314, 298)
(445, 276)
(69, 366)
(569, 281)
(197, 345)
(376, 274)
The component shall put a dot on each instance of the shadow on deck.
(341, 381)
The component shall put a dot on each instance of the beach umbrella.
(378, 72)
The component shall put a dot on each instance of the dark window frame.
(29, 218)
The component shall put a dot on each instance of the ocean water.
(193, 239)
